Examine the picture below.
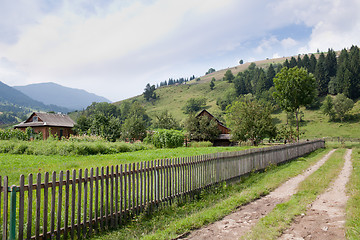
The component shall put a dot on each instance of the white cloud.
(114, 48)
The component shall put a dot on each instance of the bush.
(67, 148)
(164, 138)
(200, 144)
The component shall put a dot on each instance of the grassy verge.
(13, 165)
(212, 205)
(272, 225)
(352, 224)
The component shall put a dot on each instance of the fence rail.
(80, 203)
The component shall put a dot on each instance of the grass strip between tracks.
(210, 205)
(352, 225)
(274, 223)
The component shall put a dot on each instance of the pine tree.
(331, 63)
(313, 62)
(306, 62)
(293, 62)
(270, 74)
(322, 76)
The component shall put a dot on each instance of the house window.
(35, 119)
(61, 133)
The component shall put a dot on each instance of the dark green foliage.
(250, 120)
(194, 104)
(342, 105)
(270, 74)
(228, 97)
(212, 83)
(313, 62)
(201, 128)
(164, 120)
(292, 62)
(228, 76)
(112, 122)
(331, 63)
(164, 138)
(294, 88)
(241, 61)
(322, 75)
(211, 70)
(134, 127)
(305, 62)
(328, 107)
(149, 92)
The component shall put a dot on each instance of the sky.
(114, 48)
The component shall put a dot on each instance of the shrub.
(200, 144)
(164, 138)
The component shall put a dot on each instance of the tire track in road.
(326, 217)
(240, 222)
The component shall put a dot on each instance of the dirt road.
(238, 223)
(326, 217)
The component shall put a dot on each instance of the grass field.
(13, 165)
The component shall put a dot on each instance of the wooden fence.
(80, 203)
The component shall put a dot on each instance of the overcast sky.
(114, 48)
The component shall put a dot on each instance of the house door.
(61, 133)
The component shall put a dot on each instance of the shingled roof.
(47, 119)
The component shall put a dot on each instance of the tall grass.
(352, 225)
(68, 148)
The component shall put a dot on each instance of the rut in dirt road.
(326, 217)
(240, 222)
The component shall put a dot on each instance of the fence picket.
(21, 206)
(67, 194)
(38, 205)
(59, 206)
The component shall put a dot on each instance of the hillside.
(52, 93)
(14, 105)
(173, 98)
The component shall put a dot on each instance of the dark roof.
(47, 119)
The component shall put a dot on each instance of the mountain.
(52, 93)
(15, 105)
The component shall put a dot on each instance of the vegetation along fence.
(80, 203)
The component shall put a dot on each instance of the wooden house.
(59, 124)
(224, 136)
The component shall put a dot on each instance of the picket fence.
(80, 203)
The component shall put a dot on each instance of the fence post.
(12, 229)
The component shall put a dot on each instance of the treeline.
(334, 74)
(129, 121)
(172, 81)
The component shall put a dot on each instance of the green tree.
(135, 125)
(228, 76)
(294, 87)
(321, 75)
(82, 125)
(211, 70)
(250, 120)
(313, 62)
(270, 74)
(342, 105)
(194, 104)
(212, 84)
(149, 92)
(241, 61)
(201, 128)
(164, 120)
(328, 107)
